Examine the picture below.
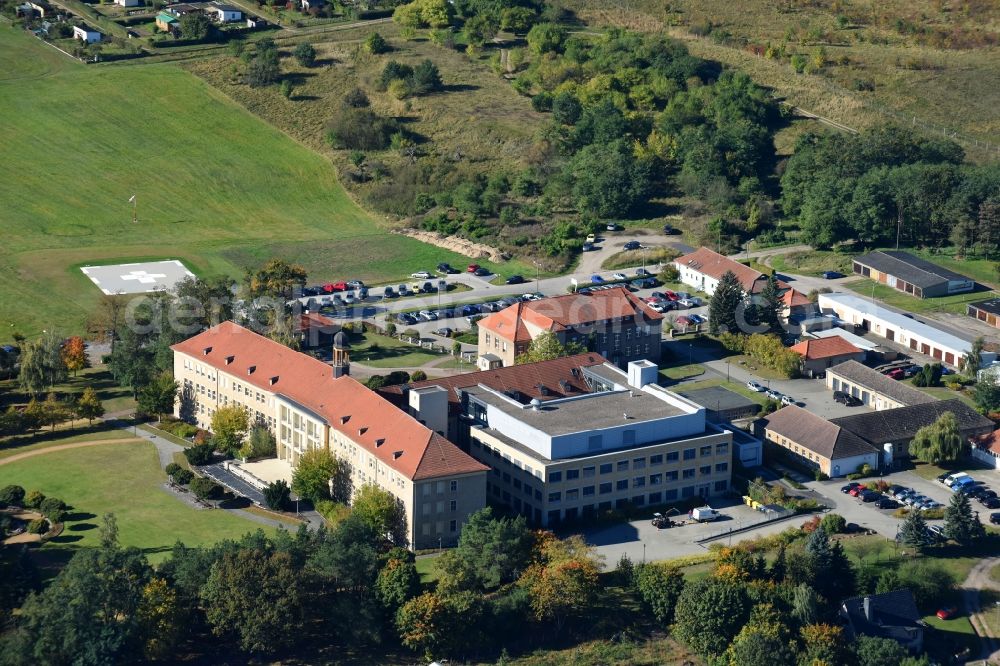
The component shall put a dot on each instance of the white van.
(951, 479)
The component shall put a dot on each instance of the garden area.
(382, 351)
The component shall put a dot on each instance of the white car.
(420, 275)
(530, 297)
(685, 303)
(774, 395)
(619, 276)
(787, 400)
(754, 386)
(427, 315)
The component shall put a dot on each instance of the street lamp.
(536, 275)
(727, 370)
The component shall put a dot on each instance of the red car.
(948, 612)
(856, 491)
(669, 294)
(472, 268)
(896, 374)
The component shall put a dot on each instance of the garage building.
(911, 275)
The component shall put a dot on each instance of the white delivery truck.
(704, 514)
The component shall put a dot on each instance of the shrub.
(833, 523)
(204, 488)
(172, 469)
(276, 495)
(356, 99)
(200, 454)
(38, 526)
(56, 516)
(33, 499)
(360, 129)
(306, 54)
(418, 376)
(183, 476)
(12, 495)
(50, 505)
(375, 44)
(820, 475)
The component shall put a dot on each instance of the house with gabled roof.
(893, 615)
(818, 354)
(818, 443)
(308, 404)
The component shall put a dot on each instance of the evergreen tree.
(726, 300)
(770, 307)
(913, 531)
(960, 523)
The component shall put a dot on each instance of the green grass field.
(12, 446)
(217, 187)
(389, 352)
(893, 297)
(124, 479)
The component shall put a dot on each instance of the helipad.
(137, 278)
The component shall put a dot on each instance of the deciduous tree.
(158, 396)
(276, 495)
(89, 406)
(939, 442)
(397, 583)
(42, 364)
(545, 347)
(491, 552)
(230, 424)
(383, 512)
(317, 470)
(709, 614)
(660, 586)
(305, 53)
(74, 354)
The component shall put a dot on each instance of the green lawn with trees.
(123, 479)
(216, 187)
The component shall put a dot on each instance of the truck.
(704, 514)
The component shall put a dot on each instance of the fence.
(769, 515)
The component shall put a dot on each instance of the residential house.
(986, 449)
(818, 443)
(223, 13)
(872, 388)
(309, 404)
(911, 275)
(626, 442)
(893, 615)
(86, 34)
(613, 322)
(821, 353)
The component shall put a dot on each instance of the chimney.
(868, 608)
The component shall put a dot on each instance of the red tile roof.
(825, 348)
(716, 265)
(525, 379)
(794, 298)
(559, 313)
(310, 320)
(988, 442)
(392, 436)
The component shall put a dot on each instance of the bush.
(833, 523)
(183, 476)
(418, 376)
(33, 499)
(56, 516)
(12, 495)
(204, 488)
(38, 526)
(820, 475)
(375, 44)
(200, 454)
(360, 129)
(306, 54)
(172, 469)
(276, 495)
(51, 505)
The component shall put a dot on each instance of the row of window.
(425, 528)
(607, 487)
(438, 507)
(640, 463)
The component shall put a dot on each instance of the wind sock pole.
(134, 211)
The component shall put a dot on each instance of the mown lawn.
(12, 446)
(124, 479)
(217, 187)
(893, 297)
(381, 351)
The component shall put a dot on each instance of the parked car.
(388, 293)
(612, 227)
(427, 315)
(696, 318)
(472, 268)
(632, 245)
(886, 503)
(991, 502)
(587, 247)
(774, 395)
(404, 318)
(832, 275)
(857, 491)
(642, 272)
(445, 267)
(670, 295)
(754, 386)
(670, 230)
(481, 272)
(355, 284)
(896, 373)
(696, 302)
(947, 613)
(870, 496)
(849, 487)
(704, 514)
(937, 532)
(787, 400)
(515, 279)
(619, 276)
(995, 518)
(596, 279)
(443, 332)
(685, 303)
(404, 290)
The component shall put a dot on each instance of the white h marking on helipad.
(143, 277)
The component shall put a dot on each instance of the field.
(380, 351)
(124, 479)
(216, 187)
(928, 62)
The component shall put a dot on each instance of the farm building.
(911, 275)
(86, 34)
(987, 311)
(904, 330)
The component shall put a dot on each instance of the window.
(687, 492)
(454, 486)
(595, 443)
(639, 463)
(555, 498)
(672, 456)
(605, 488)
(440, 487)
(588, 491)
(555, 477)
(639, 482)
(670, 495)
(440, 507)
(722, 467)
(628, 437)
(453, 505)
(656, 460)
(671, 476)
(721, 485)
(517, 484)
(705, 469)
(721, 449)
(622, 465)
(427, 508)
(688, 454)
(655, 479)
(588, 472)
(453, 526)
(538, 494)
(689, 473)
(622, 485)
(506, 477)
(706, 451)
(572, 474)
(639, 500)
(606, 468)
(572, 495)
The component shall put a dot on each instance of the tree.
(263, 70)
(42, 364)
(439, 626)
(939, 442)
(545, 347)
(709, 614)
(53, 411)
(986, 394)
(805, 604)
(832, 573)
(74, 354)
(256, 596)
(383, 512)
(874, 651)
(517, 19)
(607, 178)
(762, 641)
(160, 619)
(546, 37)
(397, 583)
(823, 644)
(425, 78)
(203, 487)
(913, 531)
(305, 53)
(109, 532)
(12, 494)
(563, 581)
(769, 305)
(833, 523)
(959, 522)
(195, 26)
(566, 108)
(660, 586)
(376, 44)
(158, 396)
(276, 495)
(491, 552)
(89, 406)
(230, 424)
(972, 361)
(90, 613)
(317, 471)
(200, 454)
(259, 444)
(726, 300)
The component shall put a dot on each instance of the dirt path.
(979, 579)
(63, 447)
